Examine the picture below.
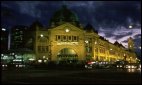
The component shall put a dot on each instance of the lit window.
(59, 37)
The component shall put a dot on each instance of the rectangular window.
(69, 38)
(42, 49)
(64, 38)
(59, 37)
(75, 38)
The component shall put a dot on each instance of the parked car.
(131, 66)
(120, 64)
(96, 64)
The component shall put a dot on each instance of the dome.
(64, 15)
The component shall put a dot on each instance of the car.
(131, 66)
(120, 64)
(90, 65)
(97, 64)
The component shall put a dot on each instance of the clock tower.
(130, 44)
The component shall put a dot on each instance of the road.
(96, 76)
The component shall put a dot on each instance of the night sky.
(112, 19)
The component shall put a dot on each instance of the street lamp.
(43, 57)
(130, 26)
(140, 47)
(86, 41)
(124, 56)
(67, 30)
(39, 61)
(3, 29)
(41, 35)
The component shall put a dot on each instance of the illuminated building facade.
(66, 40)
(18, 37)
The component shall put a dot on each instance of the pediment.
(67, 26)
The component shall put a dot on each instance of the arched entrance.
(67, 55)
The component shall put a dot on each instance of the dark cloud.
(137, 42)
(107, 14)
(125, 41)
(138, 36)
(117, 37)
(117, 13)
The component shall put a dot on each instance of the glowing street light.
(3, 29)
(1, 54)
(110, 49)
(67, 30)
(140, 47)
(124, 54)
(43, 56)
(86, 41)
(39, 61)
(41, 35)
(95, 42)
(130, 26)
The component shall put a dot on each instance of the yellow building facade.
(66, 39)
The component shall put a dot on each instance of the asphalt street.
(95, 76)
